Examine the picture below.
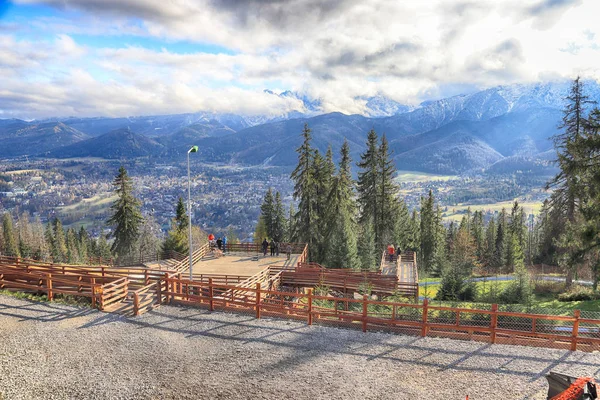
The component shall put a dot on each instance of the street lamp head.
(194, 149)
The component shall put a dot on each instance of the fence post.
(575, 332)
(211, 304)
(258, 300)
(49, 287)
(364, 313)
(93, 282)
(494, 323)
(158, 290)
(310, 300)
(136, 304)
(424, 317)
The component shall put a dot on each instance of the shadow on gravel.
(44, 312)
(306, 343)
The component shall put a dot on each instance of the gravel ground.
(52, 351)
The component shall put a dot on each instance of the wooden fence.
(102, 290)
(348, 280)
(491, 326)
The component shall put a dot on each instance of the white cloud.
(334, 51)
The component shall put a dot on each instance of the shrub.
(516, 292)
(455, 286)
(548, 287)
(578, 293)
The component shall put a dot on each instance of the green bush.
(516, 292)
(579, 293)
(455, 286)
(548, 287)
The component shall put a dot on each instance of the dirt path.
(54, 351)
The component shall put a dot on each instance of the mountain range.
(498, 130)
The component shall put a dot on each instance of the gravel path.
(53, 351)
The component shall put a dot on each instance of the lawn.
(416, 176)
(456, 213)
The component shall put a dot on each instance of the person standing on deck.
(288, 250)
(391, 252)
(272, 247)
(265, 245)
(277, 248)
(224, 244)
(219, 243)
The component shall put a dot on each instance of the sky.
(119, 58)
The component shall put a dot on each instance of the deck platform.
(241, 264)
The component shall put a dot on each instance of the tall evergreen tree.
(367, 181)
(477, 231)
(72, 247)
(386, 196)
(367, 252)
(304, 191)
(428, 236)
(567, 184)
(11, 247)
(501, 243)
(280, 222)
(341, 228)
(59, 242)
(489, 250)
(267, 213)
(127, 217)
(181, 216)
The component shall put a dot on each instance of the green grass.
(415, 176)
(456, 213)
(68, 300)
(99, 202)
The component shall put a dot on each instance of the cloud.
(334, 51)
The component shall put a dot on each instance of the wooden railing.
(492, 326)
(102, 290)
(297, 248)
(197, 255)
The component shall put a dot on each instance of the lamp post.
(194, 149)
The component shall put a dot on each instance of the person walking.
(265, 245)
(219, 243)
(272, 248)
(288, 251)
(224, 244)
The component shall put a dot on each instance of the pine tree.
(59, 254)
(178, 236)
(304, 191)
(25, 236)
(386, 196)
(490, 245)
(11, 247)
(341, 249)
(267, 213)
(181, 217)
(571, 159)
(72, 248)
(280, 222)
(405, 235)
(83, 243)
(103, 248)
(428, 236)
(500, 249)
(127, 217)
(477, 231)
(367, 181)
(291, 232)
(367, 252)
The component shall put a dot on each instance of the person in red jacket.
(391, 251)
